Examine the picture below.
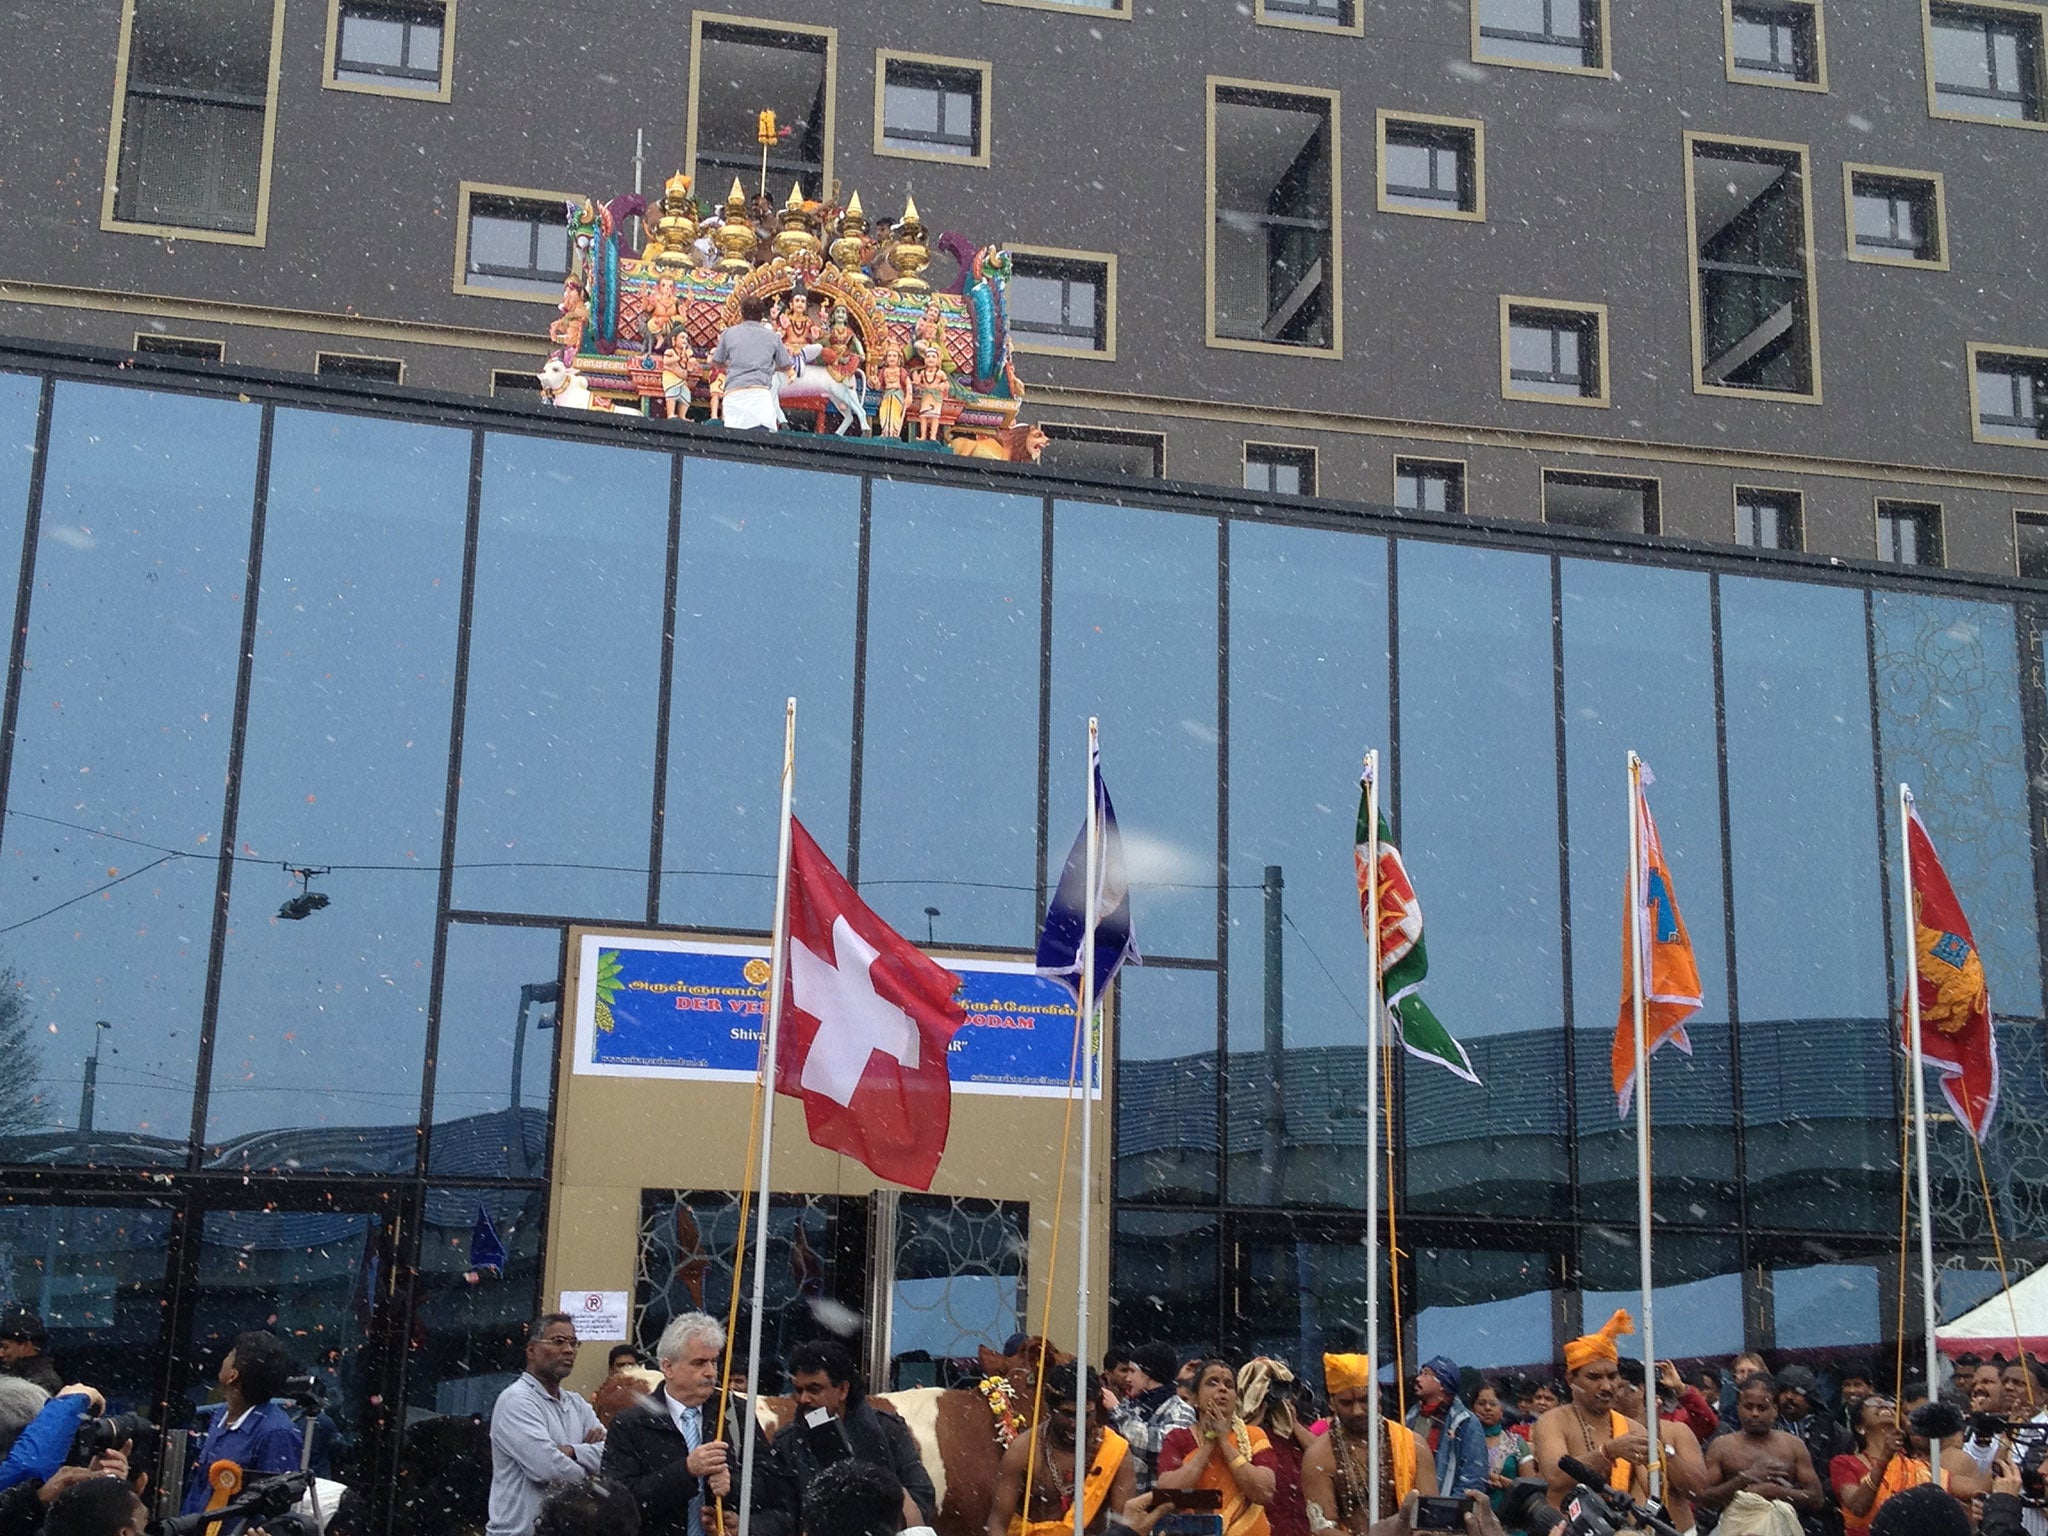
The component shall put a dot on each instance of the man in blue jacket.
(1456, 1439)
(246, 1427)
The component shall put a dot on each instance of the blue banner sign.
(695, 1009)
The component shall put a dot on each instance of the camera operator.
(247, 1428)
(24, 1507)
(44, 1443)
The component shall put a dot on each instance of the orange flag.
(1670, 973)
(1955, 1007)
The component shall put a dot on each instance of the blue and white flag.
(486, 1248)
(1059, 946)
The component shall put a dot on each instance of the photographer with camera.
(247, 1428)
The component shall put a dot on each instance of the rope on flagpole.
(1905, 1248)
(1394, 1234)
(1917, 1071)
(739, 1259)
(1638, 891)
(1375, 1443)
(2004, 1281)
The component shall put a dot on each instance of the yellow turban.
(1598, 1346)
(1345, 1373)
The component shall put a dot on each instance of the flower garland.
(1001, 1398)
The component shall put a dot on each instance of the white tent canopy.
(1991, 1320)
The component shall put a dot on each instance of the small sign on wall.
(599, 1315)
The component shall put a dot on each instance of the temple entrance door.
(320, 1271)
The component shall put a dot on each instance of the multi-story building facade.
(1741, 271)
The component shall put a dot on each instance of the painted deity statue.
(892, 379)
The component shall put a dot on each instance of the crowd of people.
(1154, 1442)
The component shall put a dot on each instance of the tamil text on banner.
(694, 1009)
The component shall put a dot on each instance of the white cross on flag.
(866, 1022)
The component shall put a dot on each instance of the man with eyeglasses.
(1161, 1401)
(542, 1435)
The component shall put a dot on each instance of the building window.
(739, 71)
(1553, 351)
(1432, 165)
(1895, 216)
(514, 382)
(1322, 15)
(389, 47)
(195, 347)
(348, 365)
(1279, 470)
(1116, 8)
(1610, 503)
(191, 143)
(1909, 532)
(1985, 61)
(1105, 451)
(1430, 485)
(2011, 390)
(1062, 301)
(931, 108)
(1769, 519)
(1554, 34)
(1776, 42)
(1751, 226)
(2030, 544)
(1274, 254)
(514, 244)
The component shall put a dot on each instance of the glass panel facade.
(952, 705)
(1698, 1289)
(1476, 815)
(322, 1031)
(1819, 1122)
(468, 1344)
(116, 800)
(95, 1274)
(1639, 674)
(1165, 1281)
(1493, 1308)
(494, 1077)
(559, 718)
(1308, 667)
(766, 590)
(1165, 1087)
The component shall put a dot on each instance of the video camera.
(1593, 1509)
(2029, 1440)
(266, 1501)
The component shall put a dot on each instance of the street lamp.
(535, 994)
(929, 914)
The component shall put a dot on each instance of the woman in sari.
(1222, 1453)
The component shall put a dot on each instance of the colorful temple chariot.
(883, 353)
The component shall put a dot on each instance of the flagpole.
(1085, 1003)
(1374, 1433)
(1919, 1080)
(1636, 979)
(778, 968)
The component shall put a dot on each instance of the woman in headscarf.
(1269, 1397)
(1223, 1453)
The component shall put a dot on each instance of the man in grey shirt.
(750, 353)
(542, 1435)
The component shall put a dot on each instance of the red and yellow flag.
(1670, 973)
(1955, 1007)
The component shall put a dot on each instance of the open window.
(1275, 249)
(1751, 222)
(194, 114)
(1609, 503)
(738, 70)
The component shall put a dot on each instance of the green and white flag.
(1403, 959)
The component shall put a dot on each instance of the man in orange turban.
(1336, 1470)
(1588, 1427)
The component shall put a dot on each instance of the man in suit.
(665, 1450)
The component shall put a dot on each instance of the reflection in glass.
(1134, 643)
(564, 673)
(949, 782)
(314, 1278)
(1489, 1307)
(1817, 1060)
(1698, 1297)
(1639, 673)
(1308, 669)
(1164, 1034)
(1476, 816)
(1162, 1282)
(765, 599)
(114, 808)
(1818, 1306)
(323, 1022)
(467, 1336)
(19, 396)
(494, 1074)
(96, 1277)
(1302, 1292)
(960, 1283)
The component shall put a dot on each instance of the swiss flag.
(866, 1022)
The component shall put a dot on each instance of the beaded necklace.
(1352, 1474)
